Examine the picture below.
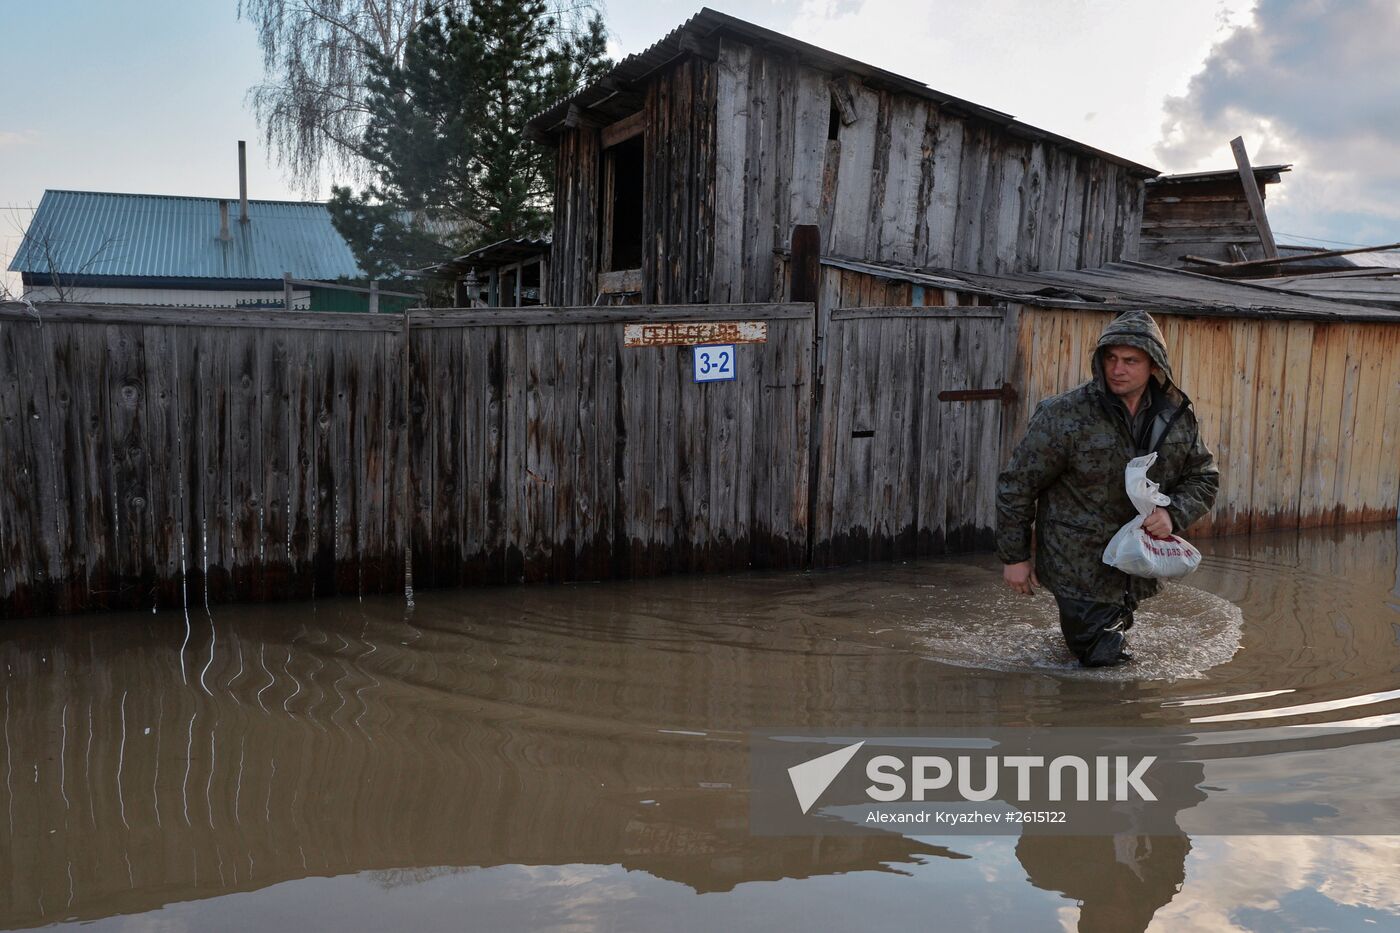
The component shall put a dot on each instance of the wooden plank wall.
(1198, 219)
(901, 473)
(678, 217)
(1302, 415)
(573, 256)
(738, 153)
(150, 462)
(906, 183)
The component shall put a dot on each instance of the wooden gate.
(911, 417)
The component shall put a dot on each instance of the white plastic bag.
(1133, 550)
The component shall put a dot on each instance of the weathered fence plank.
(134, 554)
(275, 428)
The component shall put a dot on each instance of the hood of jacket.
(1135, 329)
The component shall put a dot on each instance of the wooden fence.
(908, 460)
(1303, 416)
(158, 458)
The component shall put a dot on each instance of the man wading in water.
(1066, 476)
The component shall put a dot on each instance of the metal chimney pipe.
(223, 221)
(242, 182)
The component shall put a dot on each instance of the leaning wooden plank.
(1256, 200)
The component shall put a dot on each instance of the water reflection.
(582, 748)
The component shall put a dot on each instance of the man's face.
(1127, 370)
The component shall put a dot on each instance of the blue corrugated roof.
(99, 233)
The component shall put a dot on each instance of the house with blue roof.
(147, 249)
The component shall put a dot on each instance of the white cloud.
(1314, 84)
(1093, 70)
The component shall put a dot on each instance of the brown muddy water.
(573, 757)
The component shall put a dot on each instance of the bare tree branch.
(316, 64)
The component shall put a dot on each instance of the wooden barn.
(681, 173)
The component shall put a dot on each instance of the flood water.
(574, 757)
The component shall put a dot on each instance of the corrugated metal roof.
(1133, 285)
(708, 23)
(94, 233)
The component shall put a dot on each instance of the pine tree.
(452, 169)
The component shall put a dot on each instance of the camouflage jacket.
(1066, 475)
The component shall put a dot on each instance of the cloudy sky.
(150, 96)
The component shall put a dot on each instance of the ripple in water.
(971, 620)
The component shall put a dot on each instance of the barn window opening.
(622, 212)
(622, 207)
